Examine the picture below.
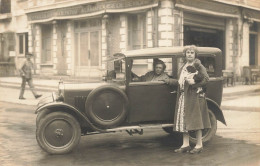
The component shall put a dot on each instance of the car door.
(151, 102)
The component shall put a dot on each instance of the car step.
(146, 126)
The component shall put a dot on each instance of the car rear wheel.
(207, 134)
(58, 133)
(106, 107)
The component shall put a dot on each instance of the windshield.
(116, 71)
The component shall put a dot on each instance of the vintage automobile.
(123, 103)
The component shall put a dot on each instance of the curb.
(230, 94)
(37, 87)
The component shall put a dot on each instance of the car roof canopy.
(164, 51)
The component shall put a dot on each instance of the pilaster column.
(104, 40)
(68, 47)
(165, 27)
(178, 39)
(54, 47)
(230, 44)
(150, 15)
(37, 47)
(123, 32)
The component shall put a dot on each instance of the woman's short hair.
(191, 47)
(158, 61)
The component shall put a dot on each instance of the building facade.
(76, 37)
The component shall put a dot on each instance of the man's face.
(28, 57)
(158, 69)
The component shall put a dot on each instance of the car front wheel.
(58, 133)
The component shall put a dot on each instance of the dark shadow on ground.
(153, 149)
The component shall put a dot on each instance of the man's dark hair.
(157, 61)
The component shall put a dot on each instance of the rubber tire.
(40, 116)
(58, 117)
(100, 121)
(207, 134)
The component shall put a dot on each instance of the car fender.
(216, 110)
(63, 107)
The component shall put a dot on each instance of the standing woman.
(191, 113)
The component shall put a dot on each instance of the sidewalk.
(10, 88)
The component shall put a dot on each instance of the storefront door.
(204, 37)
(87, 53)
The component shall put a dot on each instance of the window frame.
(149, 64)
(24, 44)
(133, 19)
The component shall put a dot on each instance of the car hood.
(82, 86)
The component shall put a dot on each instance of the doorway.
(204, 37)
(87, 53)
(46, 57)
(252, 49)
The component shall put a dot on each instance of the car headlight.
(59, 96)
(60, 88)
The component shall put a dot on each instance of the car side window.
(207, 61)
(143, 70)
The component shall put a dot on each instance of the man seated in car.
(157, 74)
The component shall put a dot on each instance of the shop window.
(46, 43)
(5, 6)
(136, 31)
(23, 43)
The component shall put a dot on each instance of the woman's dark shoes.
(37, 96)
(182, 150)
(196, 150)
(21, 98)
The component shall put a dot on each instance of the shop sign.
(209, 6)
(89, 8)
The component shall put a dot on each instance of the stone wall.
(165, 24)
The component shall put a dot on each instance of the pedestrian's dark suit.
(26, 74)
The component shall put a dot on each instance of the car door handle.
(173, 92)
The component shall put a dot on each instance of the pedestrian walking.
(26, 75)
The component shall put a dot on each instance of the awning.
(93, 9)
(208, 7)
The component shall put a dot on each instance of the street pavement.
(234, 144)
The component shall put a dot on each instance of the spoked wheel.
(207, 134)
(58, 133)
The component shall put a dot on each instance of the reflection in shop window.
(46, 43)
(23, 43)
(136, 31)
(5, 6)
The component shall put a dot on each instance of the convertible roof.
(164, 51)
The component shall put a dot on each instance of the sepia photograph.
(129, 82)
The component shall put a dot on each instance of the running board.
(146, 126)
